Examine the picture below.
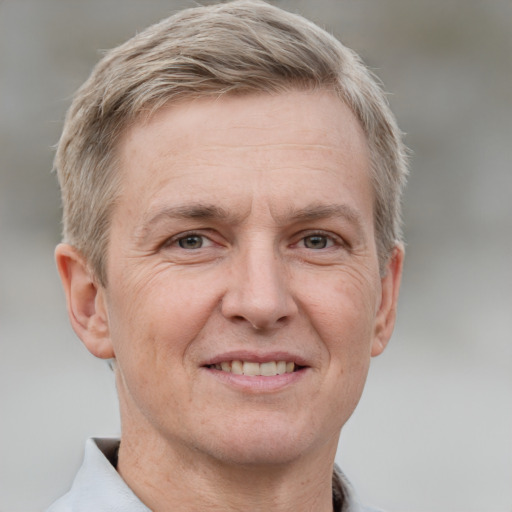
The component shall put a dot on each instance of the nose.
(258, 292)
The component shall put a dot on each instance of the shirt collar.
(97, 485)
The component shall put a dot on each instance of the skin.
(245, 231)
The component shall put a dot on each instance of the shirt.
(98, 487)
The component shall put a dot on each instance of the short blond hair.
(239, 47)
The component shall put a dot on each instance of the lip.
(256, 384)
(256, 357)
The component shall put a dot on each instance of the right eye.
(317, 242)
(191, 242)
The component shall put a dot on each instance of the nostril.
(262, 305)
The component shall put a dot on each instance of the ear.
(386, 315)
(85, 301)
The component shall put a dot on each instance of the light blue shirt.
(98, 487)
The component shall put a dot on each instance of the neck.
(161, 473)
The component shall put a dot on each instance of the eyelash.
(175, 240)
(329, 237)
(331, 240)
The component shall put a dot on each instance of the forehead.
(215, 150)
(318, 116)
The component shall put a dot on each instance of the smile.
(253, 369)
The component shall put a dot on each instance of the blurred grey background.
(433, 431)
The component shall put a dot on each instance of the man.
(231, 182)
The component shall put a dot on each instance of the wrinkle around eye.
(338, 252)
(203, 248)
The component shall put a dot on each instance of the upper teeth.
(251, 368)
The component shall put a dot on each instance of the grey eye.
(316, 242)
(191, 242)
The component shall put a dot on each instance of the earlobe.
(85, 301)
(390, 287)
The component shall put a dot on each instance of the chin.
(262, 443)
(264, 453)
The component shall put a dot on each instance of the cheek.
(154, 324)
(344, 310)
(151, 333)
(344, 319)
(346, 331)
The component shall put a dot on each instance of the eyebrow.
(190, 211)
(322, 211)
(325, 211)
(201, 211)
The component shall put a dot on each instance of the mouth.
(254, 369)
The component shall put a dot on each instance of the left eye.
(317, 242)
(192, 242)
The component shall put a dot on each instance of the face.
(244, 299)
